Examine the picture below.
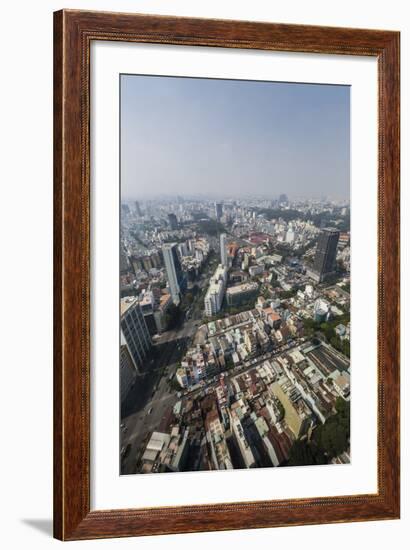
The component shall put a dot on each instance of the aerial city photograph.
(234, 275)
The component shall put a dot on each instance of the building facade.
(325, 257)
(173, 221)
(218, 210)
(224, 251)
(134, 331)
(174, 271)
(237, 295)
(128, 370)
(216, 290)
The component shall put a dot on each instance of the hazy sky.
(228, 137)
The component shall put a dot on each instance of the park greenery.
(327, 329)
(211, 227)
(327, 440)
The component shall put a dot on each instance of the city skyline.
(225, 136)
(234, 271)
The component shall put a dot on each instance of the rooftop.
(126, 303)
(244, 287)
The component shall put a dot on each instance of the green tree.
(301, 454)
(333, 436)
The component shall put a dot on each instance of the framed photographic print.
(226, 288)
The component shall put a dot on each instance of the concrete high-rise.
(174, 271)
(224, 252)
(216, 290)
(325, 257)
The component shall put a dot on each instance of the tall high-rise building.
(134, 331)
(283, 199)
(325, 257)
(173, 221)
(216, 290)
(138, 208)
(218, 210)
(128, 369)
(125, 209)
(224, 251)
(175, 275)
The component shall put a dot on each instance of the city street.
(148, 402)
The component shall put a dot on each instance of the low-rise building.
(237, 295)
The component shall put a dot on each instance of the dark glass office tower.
(175, 275)
(325, 258)
(218, 210)
(173, 221)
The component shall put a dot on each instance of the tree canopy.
(327, 441)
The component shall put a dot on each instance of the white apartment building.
(216, 290)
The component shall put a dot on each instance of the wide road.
(148, 403)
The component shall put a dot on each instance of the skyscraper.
(174, 271)
(173, 221)
(137, 208)
(218, 210)
(128, 369)
(134, 330)
(325, 257)
(224, 252)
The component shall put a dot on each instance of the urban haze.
(226, 138)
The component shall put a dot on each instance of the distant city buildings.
(138, 208)
(251, 368)
(124, 262)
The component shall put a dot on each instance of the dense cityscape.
(235, 333)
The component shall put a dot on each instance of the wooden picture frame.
(74, 32)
